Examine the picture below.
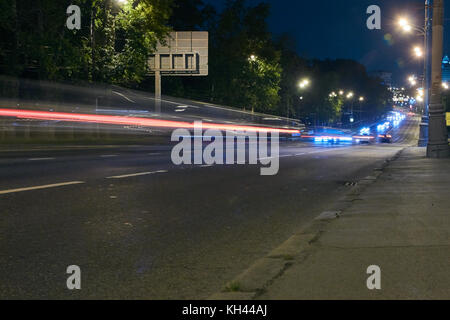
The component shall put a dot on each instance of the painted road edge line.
(41, 187)
(109, 156)
(136, 174)
(40, 159)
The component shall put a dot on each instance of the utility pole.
(423, 137)
(438, 138)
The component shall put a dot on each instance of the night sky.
(337, 29)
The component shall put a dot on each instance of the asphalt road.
(171, 232)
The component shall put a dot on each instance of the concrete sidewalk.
(398, 219)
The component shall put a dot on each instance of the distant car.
(385, 138)
(365, 136)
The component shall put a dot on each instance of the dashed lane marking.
(40, 159)
(137, 174)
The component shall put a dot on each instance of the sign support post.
(157, 83)
(184, 53)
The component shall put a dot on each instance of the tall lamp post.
(438, 138)
(303, 85)
(425, 32)
(350, 96)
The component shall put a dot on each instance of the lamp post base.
(439, 151)
(423, 136)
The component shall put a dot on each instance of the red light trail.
(121, 120)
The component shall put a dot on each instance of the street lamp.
(412, 80)
(408, 27)
(418, 52)
(304, 83)
(350, 96)
(420, 95)
(404, 24)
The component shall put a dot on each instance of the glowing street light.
(445, 85)
(361, 99)
(252, 58)
(304, 83)
(418, 52)
(405, 25)
(412, 80)
(403, 22)
(333, 95)
(420, 95)
(350, 95)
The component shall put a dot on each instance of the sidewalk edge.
(253, 282)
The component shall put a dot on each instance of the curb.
(254, 281)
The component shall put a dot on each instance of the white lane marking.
(123, 96)
(109, 156)
(42, 187)
(137, 174)
(40, 159)
(300, 154)
(206, 166)
(171, 102)
(122, 111)
(285, 156)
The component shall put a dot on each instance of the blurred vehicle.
(385, 138)
(364, 137)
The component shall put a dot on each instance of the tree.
(294, 67)
(139, 26)
(245, 69)
(38, 45)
